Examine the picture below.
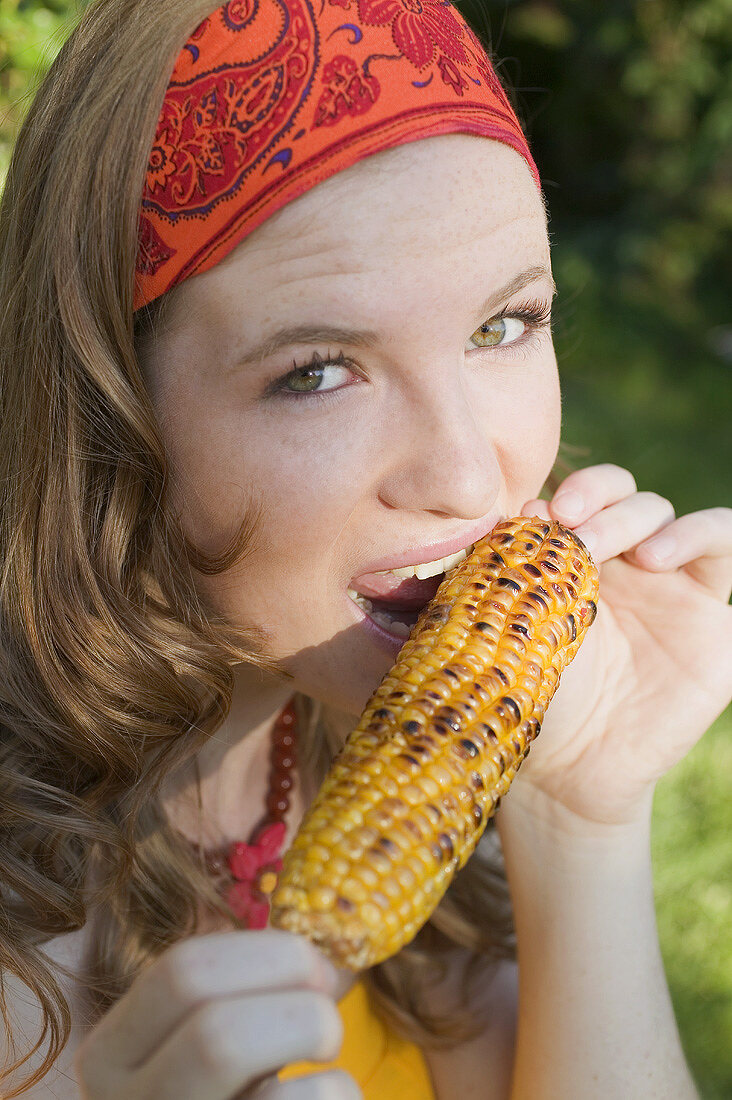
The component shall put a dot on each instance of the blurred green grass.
(648, 394)
(692, 860)
(643, 385)
(639, 389)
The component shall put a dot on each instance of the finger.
(220, 964)
(701, 543)
(333, 1084)
(225, 1045)
(538, 508)
(586, 491)
(618, 528)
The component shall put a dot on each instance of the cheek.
(529, 440)
(289, 475)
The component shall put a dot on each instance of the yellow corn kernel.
(439, 741)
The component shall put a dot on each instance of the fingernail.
(590, 541)
(570, 504)
(661, 548)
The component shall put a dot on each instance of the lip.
(391, 643)
(415, 555)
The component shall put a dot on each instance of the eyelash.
(535, 314)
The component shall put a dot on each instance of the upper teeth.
(430, 568)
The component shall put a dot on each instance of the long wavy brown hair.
(113, 670)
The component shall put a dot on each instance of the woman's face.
(437, 424)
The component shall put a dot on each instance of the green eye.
(306, 381)
(497, 330)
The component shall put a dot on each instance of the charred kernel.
(411, 828)
(450, 717)
(511, 707)
(411, 759)
(450, 803)
(378, 860)
(556, 542)
(446, 844)
(411, 775)
(551, 567)
(344, 905)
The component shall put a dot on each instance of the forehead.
(440, 208)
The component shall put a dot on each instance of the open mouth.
(395, 601)
(395, 615)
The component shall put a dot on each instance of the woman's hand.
(214, 1018)
(655, 668)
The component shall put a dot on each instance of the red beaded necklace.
(247, 872)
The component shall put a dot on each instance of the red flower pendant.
(255, 868)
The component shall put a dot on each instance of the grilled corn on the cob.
(407, 798)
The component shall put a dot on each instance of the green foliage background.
(628, 108)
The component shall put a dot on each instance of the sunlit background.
(628, 108)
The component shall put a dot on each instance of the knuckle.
(297, 955)
(214, 1042)
(180, 973)
(325, 1023)
(308, 957)
(622, 474)
(92, 1069)
(654, 499)
(720, 517)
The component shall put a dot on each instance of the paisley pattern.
(269, 97)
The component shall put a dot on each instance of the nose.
(444, 460)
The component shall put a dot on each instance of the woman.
(291, 368)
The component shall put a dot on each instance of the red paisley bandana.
(269, 97)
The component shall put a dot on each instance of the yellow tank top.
(384, 1065)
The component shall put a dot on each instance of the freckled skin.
(429, 437)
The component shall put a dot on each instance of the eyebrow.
(367, 338)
